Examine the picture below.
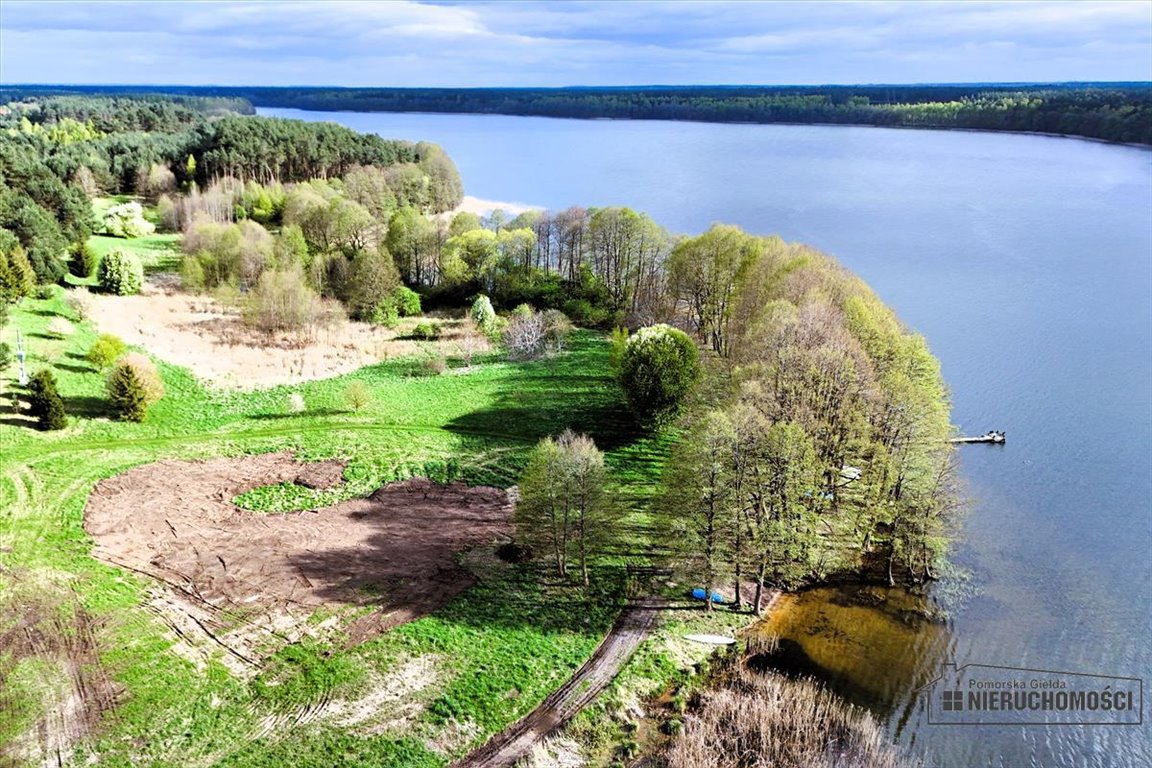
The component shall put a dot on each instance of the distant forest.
(1118, 112)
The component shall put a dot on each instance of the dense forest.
(1120, 112)
(57, 153)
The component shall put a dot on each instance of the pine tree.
(127, 393)
(45, 402)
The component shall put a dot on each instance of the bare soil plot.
(204, 335)
(244, 578)
(53, 649)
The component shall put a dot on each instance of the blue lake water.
(1027, 263)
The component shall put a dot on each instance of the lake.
(1027, 263)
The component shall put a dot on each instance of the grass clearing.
(509, 641)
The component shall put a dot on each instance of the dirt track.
(516, 741)
(175, 520)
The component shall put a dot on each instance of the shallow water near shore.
(1026, 261)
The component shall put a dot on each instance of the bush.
(296, 403)
(44, 292)
(127, 220)
(427, 331)
(5, 356)
(282, 301)
(659, 368)
(45, 403)
(524, 336)
(432, 364)
(134, 386)
(386, 314)
(407, 301)
(484, 316)
(120, 273)
(357, 395)
(60, 328)
(80, 302)
(105, 350)
(583, 312)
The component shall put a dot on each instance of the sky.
(501, 43)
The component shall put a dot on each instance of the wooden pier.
(992, 436)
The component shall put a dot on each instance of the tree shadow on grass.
(304, 414)
(544, 397)
(74, 368)
(88, 407)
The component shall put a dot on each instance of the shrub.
(134, 386)
(427, 331)
(432, 364)
(296, 403)
(45, 403)
(583, 312)
(619, 342)
(407, 301)
(357, 395)
(127, 220)
(524, 337)
(484, 316)
(523, 310)
(105, 350)
(528, 336)
(282, 301)
(80, 302)
(82, 261)
(44, 292)
(60, 328)
(5, 356)
(659, 368)
(557, 326)
(386, 314)
(120, 273)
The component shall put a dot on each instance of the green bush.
(45, 403)
(407, 301)
(105, 350)
(583, 312)
(133, 386)
(127, 220)
(44, 292)
(120, 273)
(385, 314)
(659, 368)
(427, 331)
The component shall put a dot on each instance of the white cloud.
(570, 43)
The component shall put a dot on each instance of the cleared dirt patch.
(249, 578)
(49, 647)
(200, 333)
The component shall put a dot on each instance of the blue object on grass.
(698, 594)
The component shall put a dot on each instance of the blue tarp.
(698, 594)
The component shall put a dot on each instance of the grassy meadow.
(496, 651)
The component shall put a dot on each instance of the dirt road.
(516, 741)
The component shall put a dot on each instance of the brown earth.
(245, 578)
(210, 339)
(57, 647)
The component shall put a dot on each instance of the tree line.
(1120, 112)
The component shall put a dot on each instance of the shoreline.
(484, 207)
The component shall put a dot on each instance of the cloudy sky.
(400, 43)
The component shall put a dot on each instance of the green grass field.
(498, 649)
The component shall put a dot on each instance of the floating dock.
(992, 436)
